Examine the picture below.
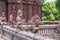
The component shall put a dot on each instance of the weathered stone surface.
(28, 8)
(14, 34)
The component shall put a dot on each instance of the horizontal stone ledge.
(24, 33)
(48, 26)
(15, 33)
(50, 22)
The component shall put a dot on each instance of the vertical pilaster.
(29, 12)
(40, 11)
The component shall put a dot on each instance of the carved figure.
(19, 18)
(35, 19)
(3, 19)
(11, 21)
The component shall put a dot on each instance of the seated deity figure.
(19, 18)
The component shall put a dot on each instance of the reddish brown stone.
(28, 7)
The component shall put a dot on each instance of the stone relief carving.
(3, 18)
(19, 18)
(19, 13)
(35, 19)
(11, 21)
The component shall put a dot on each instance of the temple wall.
(29, 9)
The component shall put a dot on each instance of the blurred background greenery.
(50, 10)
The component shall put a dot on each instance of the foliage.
(48, 9)
(58, 4)
(58, 7)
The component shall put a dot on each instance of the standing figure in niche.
(19, 18)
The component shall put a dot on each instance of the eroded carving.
(35, 19)
(11, 19)
(3, 19)
(19, 18)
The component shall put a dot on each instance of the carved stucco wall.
(29, 8)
